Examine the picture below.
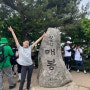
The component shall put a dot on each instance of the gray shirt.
(24, 56)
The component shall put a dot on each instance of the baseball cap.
(68, 42)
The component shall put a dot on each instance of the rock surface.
(52, 70)
(70, 86)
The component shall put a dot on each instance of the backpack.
(72, 54)
(1, 54)
(13, 58)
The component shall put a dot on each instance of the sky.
(84, 2)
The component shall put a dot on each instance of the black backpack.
(13, 58)
(1, 54)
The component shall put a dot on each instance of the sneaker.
(19, 80)
(68, 69)
(85, 71)
(12, 86)
(77, 71)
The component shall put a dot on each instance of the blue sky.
(84, 2)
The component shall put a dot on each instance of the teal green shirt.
(7, 54)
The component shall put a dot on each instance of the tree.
(37, 15)
(85, 26)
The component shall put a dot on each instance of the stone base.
(70, 86)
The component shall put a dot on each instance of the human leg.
(82, 64)
(69, 63)
(1, 79)
(19, 72)
(77, 66)
(23, 76)
(8, 73)
(29, 75)
(13, 69)
(66, 62)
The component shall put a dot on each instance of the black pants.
(68, 62)
(26, 70)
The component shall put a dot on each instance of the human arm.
(38, 40)
(17, 54)
(80, 50)
(72, 48)
(67, 48)
(14, 36)
(10, 51)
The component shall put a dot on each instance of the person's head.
(3, 41)
(68, 42)
(78, 46)
(26, 43)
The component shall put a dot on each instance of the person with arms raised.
(25, 59)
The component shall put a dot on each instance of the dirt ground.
(81, 79)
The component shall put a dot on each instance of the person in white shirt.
(78, 58)
(25, 59)
(67, 55)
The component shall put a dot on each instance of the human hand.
(73, 46)
(10, 29)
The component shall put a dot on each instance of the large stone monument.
(52, 70)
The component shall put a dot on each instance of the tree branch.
(10, 3)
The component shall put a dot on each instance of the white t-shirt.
(24, 56)
(78, 57)
(66, 52)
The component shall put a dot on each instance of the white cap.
(68, 42)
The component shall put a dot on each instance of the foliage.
(30, 18)
(85, 27)
(85, 24)
(13, 21)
